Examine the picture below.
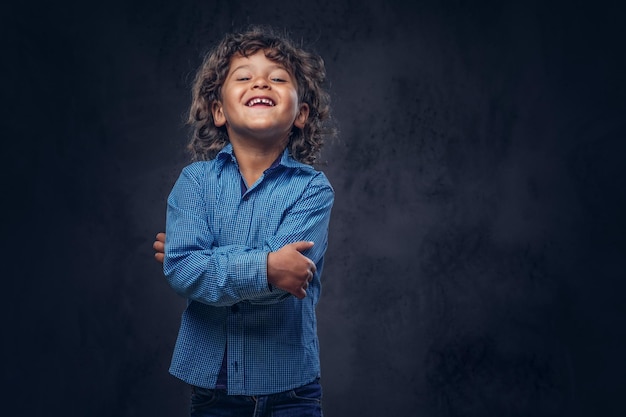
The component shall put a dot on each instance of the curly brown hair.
(307, 68)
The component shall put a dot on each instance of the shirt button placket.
(235, 349)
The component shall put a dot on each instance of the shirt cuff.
(252, 268)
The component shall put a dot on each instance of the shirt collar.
(285, 160)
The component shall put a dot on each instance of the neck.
(254, 158)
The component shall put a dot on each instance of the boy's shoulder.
(301, 169)
(197, 168)
(209, 164)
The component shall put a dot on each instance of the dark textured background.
(476, 262)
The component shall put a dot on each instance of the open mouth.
(259, 101)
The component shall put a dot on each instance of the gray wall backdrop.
(476, 261)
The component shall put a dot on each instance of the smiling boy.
(247, 230)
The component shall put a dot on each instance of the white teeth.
(260, 101)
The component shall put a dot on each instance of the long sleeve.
(308, 219)
(194, 266)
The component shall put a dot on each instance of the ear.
(218, 114)
(302, 116)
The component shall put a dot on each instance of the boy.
(247, 229)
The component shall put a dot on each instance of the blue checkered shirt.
(218, 239)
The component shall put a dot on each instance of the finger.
(160, 237)
(160, 257)
(302, 245)
(158, 246)
(300, 293)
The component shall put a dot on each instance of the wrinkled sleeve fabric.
(194, 267)
(307, 220)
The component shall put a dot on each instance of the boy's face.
(259, 100)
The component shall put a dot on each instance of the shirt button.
(234, 308)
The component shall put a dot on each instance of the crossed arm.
(287, 268)
(222, 274)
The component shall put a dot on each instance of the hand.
(289, 270)
(159, 247)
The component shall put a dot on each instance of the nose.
(260, 83)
